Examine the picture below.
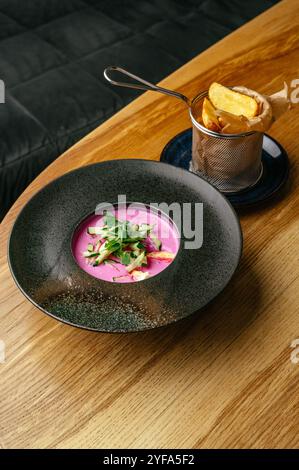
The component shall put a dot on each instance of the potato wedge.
(209, 117)
(233, 102)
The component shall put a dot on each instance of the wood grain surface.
(222, 378)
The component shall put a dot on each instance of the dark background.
(52, 56)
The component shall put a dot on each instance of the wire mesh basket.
(231, 162)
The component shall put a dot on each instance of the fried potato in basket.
(209, 116)
(232, 102)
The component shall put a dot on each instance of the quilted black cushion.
(52, 55)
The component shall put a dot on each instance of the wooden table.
(222, 378)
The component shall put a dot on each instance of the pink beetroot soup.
(164, 229)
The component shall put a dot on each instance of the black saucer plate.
(43, 266)
(178, 152)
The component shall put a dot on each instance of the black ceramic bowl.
(43, 266)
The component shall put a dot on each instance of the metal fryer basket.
(231, 162)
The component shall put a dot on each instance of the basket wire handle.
(145, 85)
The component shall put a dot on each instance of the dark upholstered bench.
(53, 52)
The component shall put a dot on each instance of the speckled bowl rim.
(97, 330)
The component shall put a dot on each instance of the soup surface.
(143, 243)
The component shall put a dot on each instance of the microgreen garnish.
(126, 243)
